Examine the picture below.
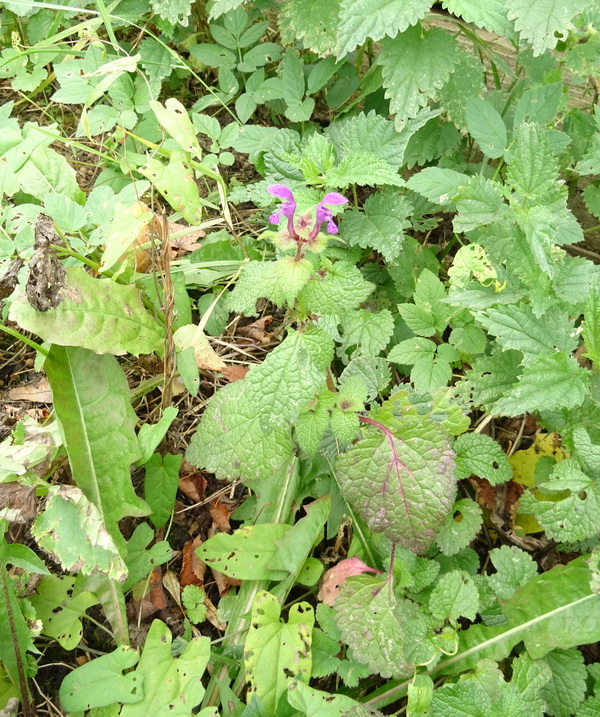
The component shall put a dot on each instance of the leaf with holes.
(480, 455)
(404, 489)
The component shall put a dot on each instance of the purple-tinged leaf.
(403, 489)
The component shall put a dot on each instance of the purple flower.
(287, 208)
(325, 215)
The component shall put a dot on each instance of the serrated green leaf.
(411, 351)
(175, 12)
(492, 377)
(96, 314)
(541, 22)
(480, 455)
(363, 169)
(156, 60)
(416, 64)
(454, 596)
(367, 331)
(374, 371)
(313, 421)
(478, 202)
(274, 651)
(530, 676)
(370, 619)
(490, 15)
(430, 373)
(403, 489)
(514, 568)
(380, 225)
(462, 525)
(463, 698)
(468, 339)
(362, 19)
(566, 689)
(591, 323)
(71, 530)
(192, 598)
(231, 443)
(551, 381)
(466, 81)
(438, 184)
(344, 424)
(312, 22)
(487, 127)
(290, 376)
(335, 289)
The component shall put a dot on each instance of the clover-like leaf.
(404, 489)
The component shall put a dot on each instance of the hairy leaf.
(478, 454)
(462, 525)
(491, 15)
(312, 22)
(334, 289)
(514, 568)
(454, 596)
(404, 489)
(369, 332)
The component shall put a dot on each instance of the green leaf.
(371, 621)
(193, 598)
(556, 609)
(492, 377)
(430, 373)
(174, 119)
(175, 12)
(428, 315)
(517, 327)
(478, 203)
(490, 15)
(60, 612)
(591, 323)
(290, 376)
(156, 60)
(403, 489)
(514, 568)
(220, 7)
(572, 518)
(468, 339)
(530, 676)
(313, 421)
(363, 169)
(374, 372)
(231, 443)
(150, 435)
(416, 64)
(411, 351)
(480, 455)
(367, 331)
(314, 703)
(294, 87)
(362, 19)
(466, 81)
(275, 652)
(101, 682)
(538, 21)
(335, 289)
(438, 184)
(140, 562)
(96, 314)
(99, 435)
(21, 557)
(71, 530)
(551, 381)
(567, 687)
(172, 686)
(160, 486)
(312, 22)
(380, 225)
(461, 527)
(487, 127)
(454, 596)
(248, 553)
(176, 183)
(13, 627)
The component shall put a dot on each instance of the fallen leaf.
(235, 373)
(185, 243)
(334, 577)
(219, 513)
(157, 594)
(211, 615)
(172, 586)
(256, 330)
(19, 500)
(204, 354)
(36, 392)
(193, 486)
(192, 568)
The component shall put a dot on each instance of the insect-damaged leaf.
(401, 488)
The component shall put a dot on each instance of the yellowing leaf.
(204, 354)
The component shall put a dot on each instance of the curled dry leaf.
(235, 373)
(204, 354)
(192, 568)
(37, 392)
(193, 485)
(17, 502)
(256, 330)
(336, 576)
(185, 243)
(45, 288)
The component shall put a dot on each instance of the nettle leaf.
(362, 19)
(428, 315)
(363, 169)
(466, 81)
(529, 676)
(438, 184)
(312, 22)
(380, 225)
(71, 530)
(462, 525)
(416, 64)
(480, 455)
(334, 289)
(369, 332)
(175, 12)
(492, 377)
(371, 622)
(374, 371)
(514, 568)
(565, 690)
(551, 381)
(290, 376)
(276, 652)
(454, 595)
(231, 443)
(478, 202)
(570, 519)
(313, 421)
(490, 15)
(403, 489)
(538, 21)
(96, 314)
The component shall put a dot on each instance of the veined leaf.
(487, 127)
(490, 14)
(403, 489)
(554, 610)
(92, 402)
(360, 19)
(311, 21)
(96, 314)
(335, 288)
(415, 64)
